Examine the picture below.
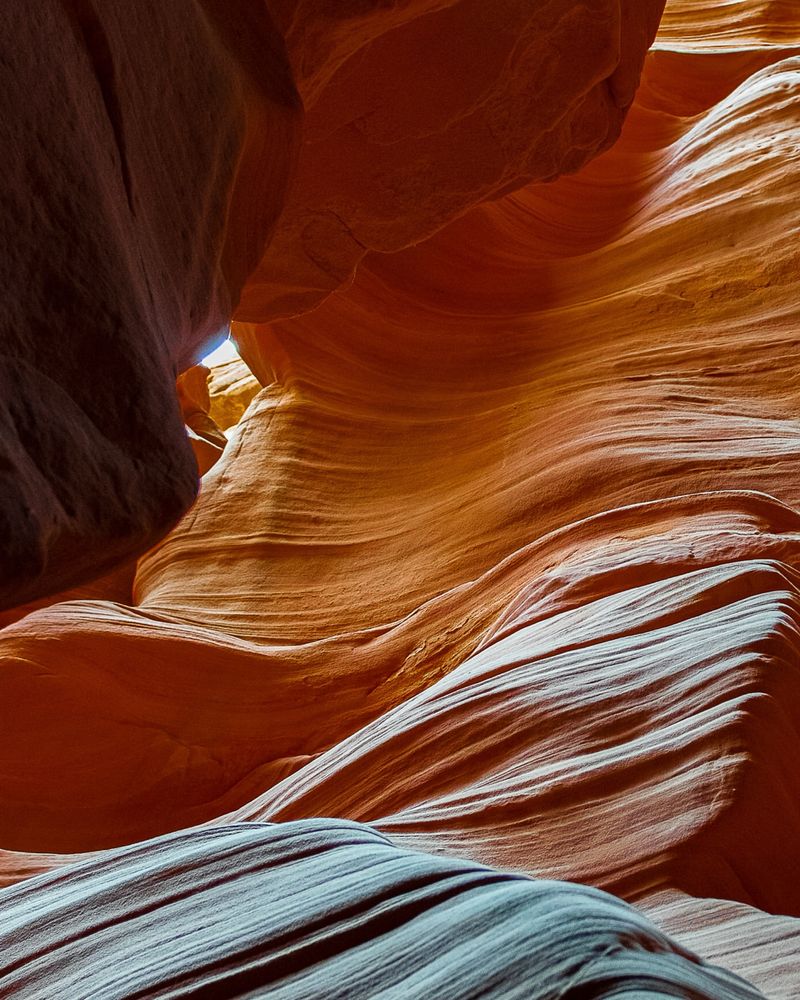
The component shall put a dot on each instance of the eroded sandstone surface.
(176, 164)
(128, 132)
(496, 580)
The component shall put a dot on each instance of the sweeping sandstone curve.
(349, 915)
(502, 561)
(163, 174)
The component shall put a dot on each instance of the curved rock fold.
(496, 558)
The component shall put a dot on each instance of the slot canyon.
(400, 499)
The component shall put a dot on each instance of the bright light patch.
(225, 352)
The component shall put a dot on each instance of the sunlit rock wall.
(502, 562)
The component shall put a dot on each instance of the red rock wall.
(503, 562)
(419, 110)
(148, 173)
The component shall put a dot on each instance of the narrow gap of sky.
(225, 352)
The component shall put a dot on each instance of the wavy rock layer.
(763, 949)
(503, 561)
(658, 713)
(325, 908)
(147, 159)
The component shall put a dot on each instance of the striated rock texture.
(760, 947)
(324, 908)
(147, 170)
(503, 561)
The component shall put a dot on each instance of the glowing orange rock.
(503, 561)
(231, 388)
(207, 439)
(417, 112)
(142, 245)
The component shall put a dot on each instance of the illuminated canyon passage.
(437, 635)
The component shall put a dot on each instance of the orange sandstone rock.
(589, 111)
(503, 560)
(207, 439)
(610, 355)
(231, 388)
(156, 196)
(417, 111)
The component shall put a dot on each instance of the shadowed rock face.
(503, 560)
(418, 110)
(125, 128)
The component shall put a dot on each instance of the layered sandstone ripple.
(504, 563)
(326, 908)
(169, 165)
